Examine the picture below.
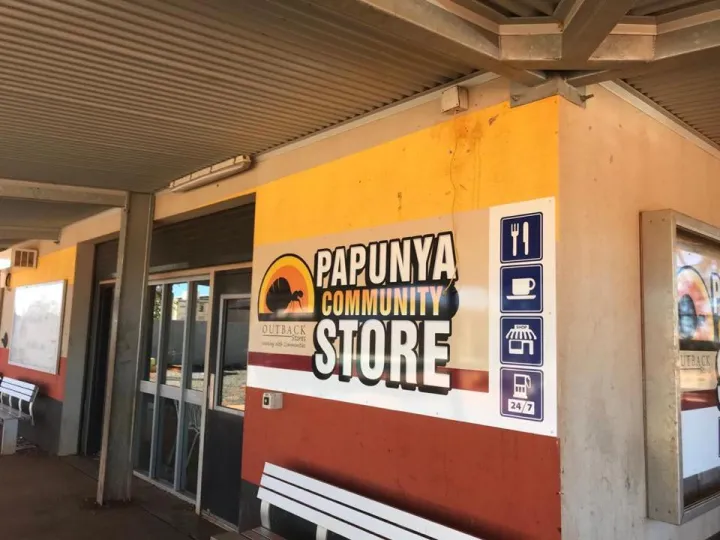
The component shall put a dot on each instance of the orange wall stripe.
(476, 160)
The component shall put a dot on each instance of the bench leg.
(8, 442)
(265, 514)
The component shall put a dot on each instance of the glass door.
(172, 386)
(224, 422)
(96, 376)
(231, 368)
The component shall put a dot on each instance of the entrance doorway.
(96, 377)
(194, 361)
(172, 385)
(222, 448)
(178, 433)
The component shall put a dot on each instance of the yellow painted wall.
(493, 156)
(472, 161)
(51, 267)
(55, 266)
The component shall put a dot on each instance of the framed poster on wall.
(37, 326)
(681, 309)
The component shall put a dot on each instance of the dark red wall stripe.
(460, 379)
(488, 482)
(50, 385)
(282, 361)
(699, 399)
(468, 379)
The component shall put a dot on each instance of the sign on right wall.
(681, 341)
(698, 305)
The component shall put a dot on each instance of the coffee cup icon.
(522, 286)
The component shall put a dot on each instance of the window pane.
(155, 302)
(233, 359)
(167, 438)
(176, 334)
(144, 437)
(196, 361)
(193, 418)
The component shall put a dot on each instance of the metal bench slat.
(15, 395)
(368, 506)
(315, 516)
(345, 513)
(18, 382)
(17, 388)
(17, 399)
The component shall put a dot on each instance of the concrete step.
(255, 534)
(227, 536)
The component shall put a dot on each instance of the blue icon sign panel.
(521, 238)
(521, 289)
(521, 340)
(521, 394)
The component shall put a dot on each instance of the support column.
(80, 317)
(116, 463)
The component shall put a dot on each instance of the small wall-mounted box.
(454, 99)
(272, 400)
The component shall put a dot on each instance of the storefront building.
(450, 305)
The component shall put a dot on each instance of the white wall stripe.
(458, 405)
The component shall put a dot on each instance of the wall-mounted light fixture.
(212, 174)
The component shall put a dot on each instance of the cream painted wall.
(615, 161)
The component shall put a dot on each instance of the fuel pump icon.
(521, 385)
(521, 394)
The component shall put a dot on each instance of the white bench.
(340, 511)
(16, 404)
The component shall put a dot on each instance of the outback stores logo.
(383, 310)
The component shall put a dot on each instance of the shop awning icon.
(521, 339)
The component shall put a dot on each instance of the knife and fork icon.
(515, 233)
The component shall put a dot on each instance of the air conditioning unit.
(24, 258)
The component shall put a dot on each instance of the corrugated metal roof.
(655, 8)
(131, 94)
(691, 93)
(549, 8)
(27, 213)
(523, 8)
(24, 216)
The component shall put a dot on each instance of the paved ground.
(44, 498)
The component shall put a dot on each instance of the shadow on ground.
(44, 497)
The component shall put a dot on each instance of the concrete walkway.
(44, 497)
